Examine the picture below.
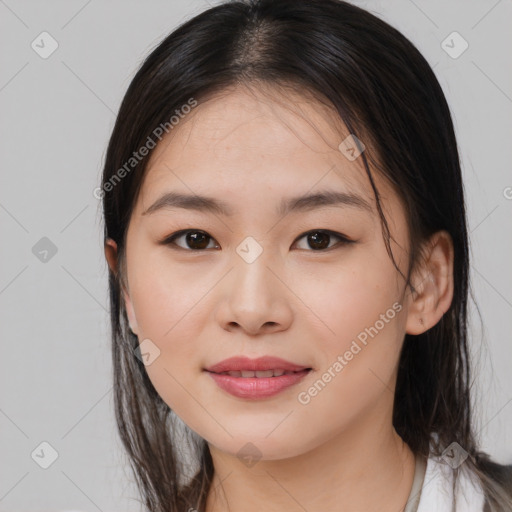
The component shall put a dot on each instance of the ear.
(432, 283)
(111, 256)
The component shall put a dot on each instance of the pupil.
(318, 240)
(197, 240)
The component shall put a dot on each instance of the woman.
(254, 135)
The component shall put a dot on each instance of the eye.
(195, 239)
(198, 240)
(319, 239)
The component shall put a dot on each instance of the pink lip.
(256, 387)
(261, 363)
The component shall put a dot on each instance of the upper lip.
(260, 364)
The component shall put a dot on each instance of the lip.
(254, 388)
(240, 363)
(257, 387)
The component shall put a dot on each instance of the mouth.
(261, 374)
(259, 378)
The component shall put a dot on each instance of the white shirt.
(432, 488)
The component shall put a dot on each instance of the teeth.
(258, 374)
(263, 373)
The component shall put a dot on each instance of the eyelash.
(343, 239)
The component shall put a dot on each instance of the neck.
(337, 474)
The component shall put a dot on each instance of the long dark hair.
(387, 95)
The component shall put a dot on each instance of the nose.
(254, 298)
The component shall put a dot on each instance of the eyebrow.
(305, 202)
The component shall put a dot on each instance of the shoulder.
(443, 488)
(500, 473)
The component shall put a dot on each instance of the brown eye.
(194, 240)
(319, 240)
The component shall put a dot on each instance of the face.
(312, 284)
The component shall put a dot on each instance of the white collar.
(437, 490)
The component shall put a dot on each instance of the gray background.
(57, 115)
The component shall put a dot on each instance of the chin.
(257, 446)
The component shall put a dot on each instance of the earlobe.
(433, 285)
(130, 313)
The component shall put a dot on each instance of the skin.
(251, 149)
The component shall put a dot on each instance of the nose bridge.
(255, 299)
(252, 273)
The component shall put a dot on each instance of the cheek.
(163, 296)
(363, 324)
(167, 303)
(358, 361)
(353, 298)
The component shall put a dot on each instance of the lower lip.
(257, 387)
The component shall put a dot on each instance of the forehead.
(275, 115)
(254, 143)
